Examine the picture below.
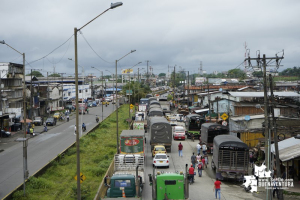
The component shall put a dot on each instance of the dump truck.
(169, 185)
(160, 132)
(128, 177)
(230, 157)
(132, 142)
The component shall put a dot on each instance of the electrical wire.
(93, 49)
(52, 51)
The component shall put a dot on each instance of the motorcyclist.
(97, 118)
(83, 127)
(87, 110)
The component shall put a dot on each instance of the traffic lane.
(41, 150)
(203, 186)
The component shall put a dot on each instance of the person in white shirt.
(198, 148)
(75, 130)
(204, 148)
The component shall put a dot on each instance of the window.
(170, 182)
(122, 183)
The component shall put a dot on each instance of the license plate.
(161, 161)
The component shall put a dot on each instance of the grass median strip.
(96, 153)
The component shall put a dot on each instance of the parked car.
(173, 121)
(57, 115)
(109, 99)
(158, 149)
(50, 121)
(161, 160)
(105, 102)
(179, 133)
(70, 107)
(94, 104)
(5, 133)
(90, 104)
(38, 121)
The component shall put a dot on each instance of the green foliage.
(162, 75)
(295, 71)
(35, 73)
(54, 75)
(96, 153)
(236, 73)
(170, 97)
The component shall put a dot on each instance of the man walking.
(200, 167)
(191, 174)
(198, 148)
(193, 160)
(180, 147)
(217, 188)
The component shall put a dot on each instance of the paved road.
(41, 148)
(202, 189)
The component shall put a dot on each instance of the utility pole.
(62, 89)
(263, 63)
(147, 71)
(31, 96)
(174, 86)
(274, 128)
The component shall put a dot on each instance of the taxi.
(158, 149)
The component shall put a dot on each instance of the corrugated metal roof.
(288, 149)
(132, 133)
(261, 94)
(242, 118)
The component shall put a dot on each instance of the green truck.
(132, 142)
(128, 177)
(169, 185)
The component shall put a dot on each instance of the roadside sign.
(131, 106)
(82, 177)
(224, 116)
(131, 111)
(224, 123)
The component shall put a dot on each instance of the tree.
(54, 75)
(236, 73)
(162, 75)
(35, 73)
(257, 74)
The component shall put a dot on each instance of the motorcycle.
(97, 119)
(45, 129)
(68, 118)
(83, 128)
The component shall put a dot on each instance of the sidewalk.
(5, 143)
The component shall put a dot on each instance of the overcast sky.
(165, 32)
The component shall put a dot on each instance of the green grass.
(96, 153)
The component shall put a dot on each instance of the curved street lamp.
(25, 142)
(112, 6)
(118, 150)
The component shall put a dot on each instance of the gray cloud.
(164, 32)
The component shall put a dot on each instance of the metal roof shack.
(288, 149)
(261, 94)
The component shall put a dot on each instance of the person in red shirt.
(203, 162)
(217, 188)
(180, 147)
(191, 173)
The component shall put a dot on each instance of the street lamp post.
(25, 141)
(112, 6)
(101, 89)
(112, 75)
(129, 85)
(118, 150)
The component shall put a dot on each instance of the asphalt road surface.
(41, 148)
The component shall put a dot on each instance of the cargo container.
(132, 142)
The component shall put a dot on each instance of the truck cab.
(123, 181)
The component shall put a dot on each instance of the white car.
(108, 99)
(161, 160)
(173, 121)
